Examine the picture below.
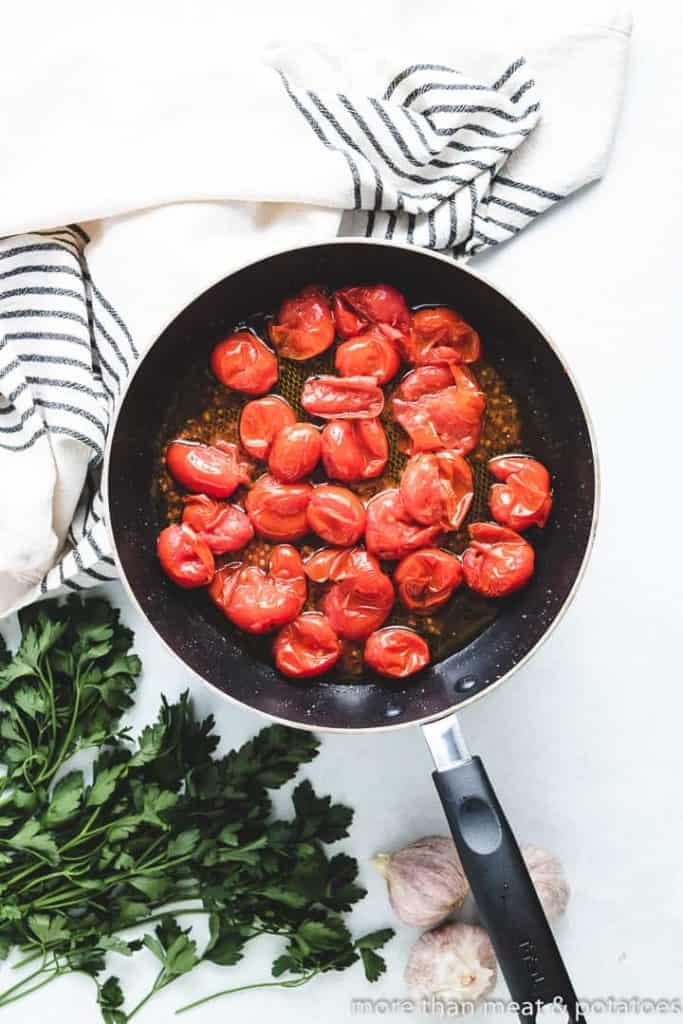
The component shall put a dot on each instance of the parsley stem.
(24, 981)
(145, 999)
(294, 983)
(54, 973)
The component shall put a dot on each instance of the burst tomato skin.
(295, 452)
(336, 514)
(343, 398)
(354, 449)
(440, 335)
(390, 532)
(437, 488)
(524, 498)
(185, 557)
(357, 309)
(396, 651)
(304, 326)
(426, 579)
(258, 602)
(278, 511)
(451, 418)
(498, 561)
(369, 355)
(261, 421)
(242, 362)
(215, 470)
(307, 647)
(223, 527)
(334, 564)
(359, 604)
(424, 380)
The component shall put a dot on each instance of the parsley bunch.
(160, 829)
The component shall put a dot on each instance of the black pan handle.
(508, 905)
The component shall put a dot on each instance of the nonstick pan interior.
(533, 374)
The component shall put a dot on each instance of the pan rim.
(566, 604)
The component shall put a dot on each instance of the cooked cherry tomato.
(370, 355)
(216, 470)
(440, 335)
(242, 362)
(334, 564)
(358, 604)
(396, 651)
(426, 579)
(223, 527)
(342, 398)
(450, 418)
(525, 496)
(390, 532)
(357, 309)
(185, 557)
(260, 422)
(304, 325)
(436, 487)
(336, 514)
(277, 510)
(257, 601)
(425, 380)
(354, 449)
(497, 561)
(295, 452)
(306, 647)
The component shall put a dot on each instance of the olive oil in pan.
(206, 411)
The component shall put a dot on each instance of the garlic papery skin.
(425, 880)
(453, 964)
(549, 880)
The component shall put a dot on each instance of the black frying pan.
(536, 376)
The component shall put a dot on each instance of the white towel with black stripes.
(189, 164)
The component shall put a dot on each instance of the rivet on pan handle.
(508, 905)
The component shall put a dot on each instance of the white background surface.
(584, 744)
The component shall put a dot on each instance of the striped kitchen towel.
(419, 152)
(65, 355)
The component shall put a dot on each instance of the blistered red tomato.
(224, 527)
(336, 514)
(185, 557)
(426, 579)
(329, 565)
(354, 449)
(436, 488)
(242, 362)
(306, 647)
(498, 561)
(343, 398)
(358, 604)
(257, 601)
(425, 380)
(396, 651)
(524, 498)
(370, 355)
(450, 418)
(215, 470)
(390, 532)
(304, 326)
(261, 421)
(440, 335)
(278, 511)
(357, 309)
(295, 452)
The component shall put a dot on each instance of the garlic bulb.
(451, 964)
(425, 880)
(549, 880)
